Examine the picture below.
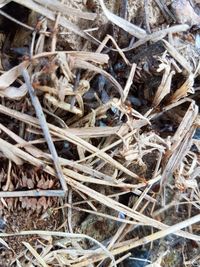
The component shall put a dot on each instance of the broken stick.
(45, 129)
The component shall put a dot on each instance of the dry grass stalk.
(51, 15)
(105, 41)
(82, 55)
(122, 23)
(38, 154)
(65, 9)
(63, 105)
(99, 214)
(85, 132)
(71, 138)
(4, 2)
(181, 142)
(54, 37)
(177, 56)
(10, 76)
(16, 21)
(129, 81)
(70, 236)
(99, 197)
(158, 35)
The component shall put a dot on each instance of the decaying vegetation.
(99, 133)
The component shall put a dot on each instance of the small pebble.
(122, 215)
(140, 258)
(2, 225)
(135, 101)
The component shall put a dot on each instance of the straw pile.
(99, 128)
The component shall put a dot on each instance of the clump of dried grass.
(122, 144)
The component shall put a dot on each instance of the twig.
(33, 193)
(44, 126)
(32, 44)
(69, 211)
(7, 185)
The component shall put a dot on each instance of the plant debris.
(99, 133)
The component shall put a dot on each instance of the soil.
(22, 220)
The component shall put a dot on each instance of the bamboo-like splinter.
(45, 129)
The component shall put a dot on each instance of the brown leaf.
(185, 89)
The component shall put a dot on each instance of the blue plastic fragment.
(197, 134)
(197, 41)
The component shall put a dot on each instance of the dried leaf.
(11, 75)
(83, 55)
(165, 86)
(185, 89)
(14, 93)
(42, 204)
(122, 23)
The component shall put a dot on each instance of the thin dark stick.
(33, 193)
(165, 11)
(123, 9)
(170, 14)
(76, 83)
(16, 21)
(45, 129)
(21, 23)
